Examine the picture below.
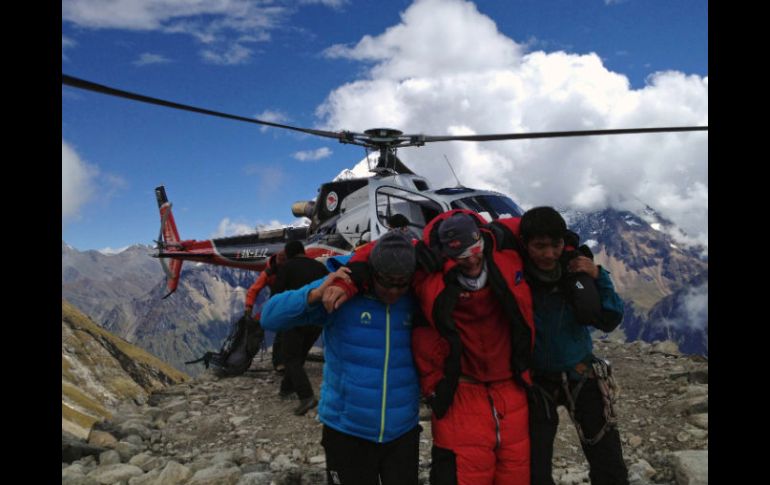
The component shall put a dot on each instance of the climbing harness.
(598, 369)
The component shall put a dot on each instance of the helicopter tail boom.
(168, 239)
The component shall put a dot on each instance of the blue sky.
(430, 66)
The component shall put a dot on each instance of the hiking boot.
(305, 405)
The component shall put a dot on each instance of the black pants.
(294, 349)
(605, 458)
(355, 461)
(277, 356)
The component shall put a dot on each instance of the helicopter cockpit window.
(415, 207)
(491, 206)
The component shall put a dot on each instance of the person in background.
(266, 279)
(296, 272)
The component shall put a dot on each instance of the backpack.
(238, 350)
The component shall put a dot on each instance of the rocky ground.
(238, 431)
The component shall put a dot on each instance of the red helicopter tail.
(168, 238)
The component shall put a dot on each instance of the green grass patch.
(78, 320)
(73, 416)
(84, 400)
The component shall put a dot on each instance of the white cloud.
(227, 55)
(160, 14)
(273, 224)
(148, 58)
(434, 38)
(66, 43)
(310, 155)
(77, 180)
(227, 228)
(696, 306)
(223, 26)
(446, 69)
(272, 116)
(336, 4)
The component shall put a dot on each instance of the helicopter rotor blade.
(561, 134)
(99, 88)
(390, 140)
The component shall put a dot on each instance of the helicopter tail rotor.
(168, 238)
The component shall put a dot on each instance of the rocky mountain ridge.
(238, 430)
(100, 370)
(664, 284)
(124, 292)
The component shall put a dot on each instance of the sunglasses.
(389, 283)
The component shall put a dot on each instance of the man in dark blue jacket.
(370, 391)
(569, 294)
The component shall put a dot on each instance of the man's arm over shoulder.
(251, 294)
(290, 309)
(506, 232)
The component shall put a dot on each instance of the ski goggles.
(393, 282)
(473, 249)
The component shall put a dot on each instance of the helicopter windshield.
(490, 206)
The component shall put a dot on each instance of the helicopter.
(347, 212)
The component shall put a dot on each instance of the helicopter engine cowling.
(303, 208)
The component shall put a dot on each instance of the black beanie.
(393, 254)
(293, 248)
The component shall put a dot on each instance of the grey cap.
(393, 254)
(457, 233)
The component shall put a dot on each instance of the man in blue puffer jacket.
(370, 391)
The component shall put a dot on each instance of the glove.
(429, 259)
(586, 251)
(441, 398)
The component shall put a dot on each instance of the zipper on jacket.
(553, 349)
(385, 371)
(497, 421)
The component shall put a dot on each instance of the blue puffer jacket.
(370, 386)
(560, 341)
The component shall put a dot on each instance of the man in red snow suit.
(473, 353)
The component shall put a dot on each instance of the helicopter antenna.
(453, 171)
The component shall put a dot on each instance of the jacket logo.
(578, 285)
(518, 278)
(366, 318)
